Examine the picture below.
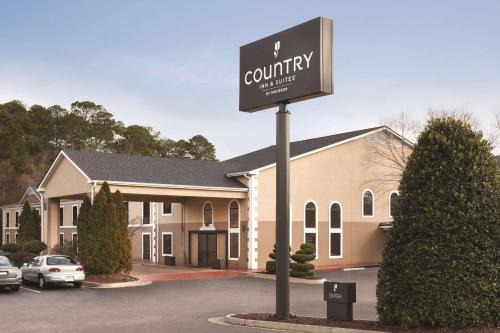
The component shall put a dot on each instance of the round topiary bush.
(440, 265)
(11, 247)
(34, 246)
(302, 267)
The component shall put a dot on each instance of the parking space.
(173, 306)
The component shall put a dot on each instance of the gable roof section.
(267, 156)
(151, 170)
(30, 190)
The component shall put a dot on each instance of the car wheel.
(15, 288)
(77, 284)
(41, 282)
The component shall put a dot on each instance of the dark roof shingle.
(151, 170)
(267, 156)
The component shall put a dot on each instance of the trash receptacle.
(339, 297)
(169, 260)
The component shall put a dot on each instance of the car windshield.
(4, 261)
(60, 261)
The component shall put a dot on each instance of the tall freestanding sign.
(287, 67)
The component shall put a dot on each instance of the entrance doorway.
(146, 246)
(207, 249)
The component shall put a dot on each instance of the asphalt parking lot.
(173, 306)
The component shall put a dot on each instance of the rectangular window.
(310, 218)
(335, 244)
(167, 208)
(16, 235)
(311, 238)
(7, 219)
(167, 244)
(61, 239)
(75, 215)
(17, 219)
(234, 245)
(7, 238)
(61, 216)
(145, 213)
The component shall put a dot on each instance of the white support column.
(253, 223)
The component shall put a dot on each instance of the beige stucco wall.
(339, 174)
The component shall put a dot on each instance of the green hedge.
(34, 246)
(440, 264)
(11, 247)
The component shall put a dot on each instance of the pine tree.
(27, 225)
(124, 243)
(440, 265)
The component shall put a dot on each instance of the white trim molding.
(171, 244)
(231, 230)
(316, 225)
(335, 231)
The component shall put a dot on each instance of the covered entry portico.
(198, 232)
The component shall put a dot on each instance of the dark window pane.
(335, 244)
(367, 204)
(61, 216)
(167, 208)
(393, 204)
(335, 216)
(167, 244)
(145, 213)
(61, 239)
(310, 215)
(207, 214)
(75, 215)
(60, 260)
(17, 219)
(234, 215)
(311, 238)
(8, 220)
(234, 245)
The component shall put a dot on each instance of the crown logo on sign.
(276, 49)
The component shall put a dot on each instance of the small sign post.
(287, 67)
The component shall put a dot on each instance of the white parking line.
(354, 269)
(32, 290)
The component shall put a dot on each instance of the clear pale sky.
(173, 65)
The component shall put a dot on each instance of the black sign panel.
(290, 66)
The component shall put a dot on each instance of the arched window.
(393, 199)
(234, 230)
(367, 203)
(208, 214)
(335, 230)
(310, 225)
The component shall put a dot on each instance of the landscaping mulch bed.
(361, 324)
(304, 278)
(110, 278)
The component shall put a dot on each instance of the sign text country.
(292, 65)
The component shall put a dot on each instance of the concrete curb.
(292, 279)
(139, 283)
(230, 319)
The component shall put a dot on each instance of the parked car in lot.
(10, 275)
(48, 269)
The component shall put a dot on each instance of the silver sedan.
(10, 275)
(53, 269)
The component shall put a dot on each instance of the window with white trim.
(7, 238)
(335, 230)
(310, 225)
(367, 203)
(393, 199)
(234, 230)
(74, 215)
(168, 242)
(167, 208)
(7, 219)
(146, 213)
(17, 219)
(61, 239)
(208, 215)
(61, 216)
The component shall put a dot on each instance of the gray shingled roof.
(174, 171)
(267, 156)
(153, 170)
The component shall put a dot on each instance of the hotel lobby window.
(207, 215)
(310, 225)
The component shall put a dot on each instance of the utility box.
(339, 297)
(169, 261)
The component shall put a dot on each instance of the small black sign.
(340, 292)
(290, 66)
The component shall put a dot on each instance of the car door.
(35, 269)
(28, 271)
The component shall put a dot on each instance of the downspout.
(42, 220)
(251, 232)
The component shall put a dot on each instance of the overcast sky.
(173, 65)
